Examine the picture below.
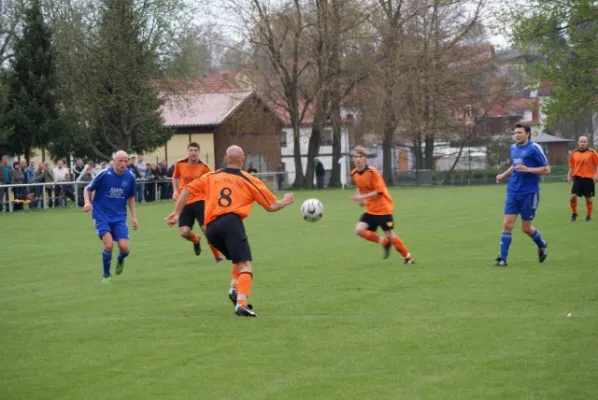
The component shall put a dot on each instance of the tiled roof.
(201, 108)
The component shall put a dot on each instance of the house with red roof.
(217, 120)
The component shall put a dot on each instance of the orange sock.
(400, 246)
(371, 236)
(234, 276)
(193, 238)
(589, 206)
(215, 252)
(244, 287)
(573, 204)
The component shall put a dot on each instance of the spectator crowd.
(62, 182)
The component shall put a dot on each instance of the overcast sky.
(213, 12)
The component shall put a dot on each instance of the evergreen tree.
(30, 116)
(125, 108)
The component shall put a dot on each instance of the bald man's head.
(582, 143)
(235, 158)
(121, 159)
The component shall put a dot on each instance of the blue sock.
(106, 259)
(505, 242)
(537, 238)
(122, 256)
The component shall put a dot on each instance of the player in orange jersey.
(583, 171)
(185, 171)
(229, 194)
(373, 194)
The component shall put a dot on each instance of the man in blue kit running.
(523, 191)
(113, 189)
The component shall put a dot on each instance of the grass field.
(336, 321)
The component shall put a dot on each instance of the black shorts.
(227, 234)
(191, 213)
(583, 187)
(374, 221)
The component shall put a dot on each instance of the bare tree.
(277, 34)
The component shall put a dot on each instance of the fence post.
(44, 196)
(9, 200)
(76, 186)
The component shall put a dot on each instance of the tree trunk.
(27, 155)
(336, 68)
(417, 152)
(299, 177)
(429, 152)
(335, 174)
(313, 148)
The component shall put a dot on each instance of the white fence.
(62, 194)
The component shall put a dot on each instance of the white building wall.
(325, 154)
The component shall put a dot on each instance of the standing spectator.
(30, 172)
(5, 179)
(68, 191)
(280, 176)
(60, 173)
(24, 169)
(20, 193)
(30, 178)
(44, 175)
(78, 168)
(162, 175)
(142, 169)
(18, 178)
(132, 166)
(87, 174)
(320, 174)
(150, 179)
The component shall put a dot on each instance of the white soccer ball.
(312, 210)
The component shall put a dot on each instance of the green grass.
(336, 321)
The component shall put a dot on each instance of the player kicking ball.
(583, 171)
(373, 195)
(229, 194)
(523, 192)
(113, 189)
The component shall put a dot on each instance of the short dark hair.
(193, 144)
(526, 128)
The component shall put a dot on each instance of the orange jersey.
(187, 173)
(583, 163)
(369, 180)
(230, 191)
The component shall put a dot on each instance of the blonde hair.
(360, 150)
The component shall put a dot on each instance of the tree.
(90, 36)
(30, 117)
(280, 69)
(564, 33)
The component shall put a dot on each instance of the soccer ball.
(312, 210)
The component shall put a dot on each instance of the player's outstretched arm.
(134, 222)
(86, 199)
(173, 217)
(279, 204)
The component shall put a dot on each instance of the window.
(326, 138)
(283, 139)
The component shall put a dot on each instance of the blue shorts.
(525, 205)
(118, 230)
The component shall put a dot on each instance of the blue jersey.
(530, 155)
(112, 191)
